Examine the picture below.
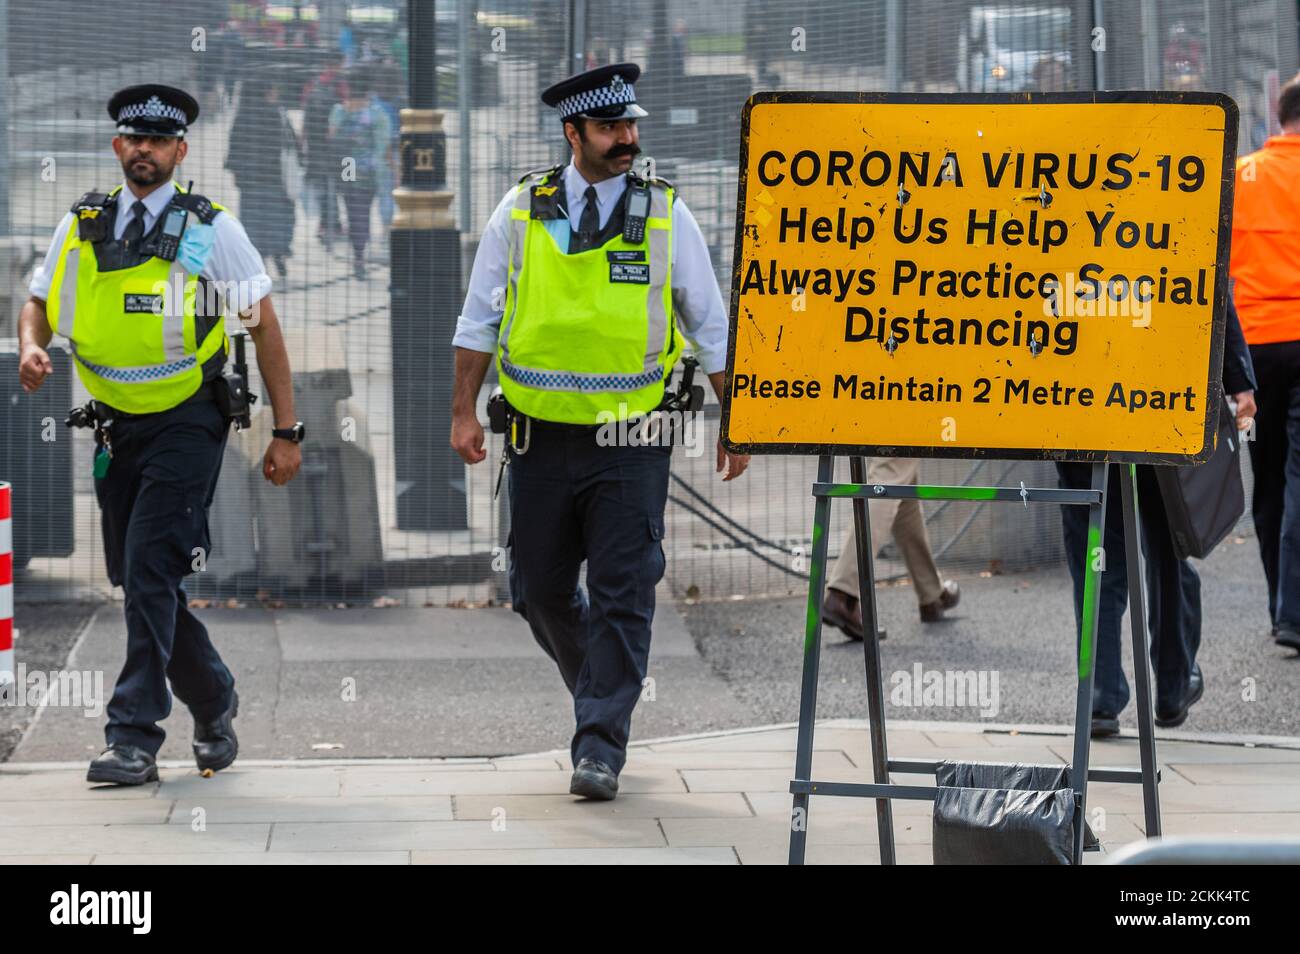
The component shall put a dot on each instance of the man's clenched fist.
(33, 368)
(467, 438)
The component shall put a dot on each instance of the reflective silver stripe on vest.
(660, 257)
(580, 381)
(68, 290)
(173, 325)
(518, 234)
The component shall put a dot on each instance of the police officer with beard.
(137, 280)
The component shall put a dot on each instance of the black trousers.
(572, 500)
(1173, 590)
(1275, 459)
(154, 504)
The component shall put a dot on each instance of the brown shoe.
(845, 613)
(949, 596)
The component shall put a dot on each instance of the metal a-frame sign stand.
(827, 213)
(881, 789)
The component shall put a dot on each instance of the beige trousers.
(901, 518)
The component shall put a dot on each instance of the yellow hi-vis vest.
(135, 340)
(588, 335)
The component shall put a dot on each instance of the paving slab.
(72, 811)
(260, 858)
(1244, 772)
(823, 759)
(832, 855)
(1232, 823)
(69, 859)
(582, 856)
(709, 806)
(254, 809)
(837, 829)
(594, 832)
(716, 799)
(773, 804)
(132, 838)
(378, 781)
(851, 741)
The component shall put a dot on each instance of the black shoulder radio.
(169, 241)
(636, 212)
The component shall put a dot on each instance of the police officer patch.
(142, 304)
(629, 274)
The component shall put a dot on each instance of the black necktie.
(590, 223)
(135, 225)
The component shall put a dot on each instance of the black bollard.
(425, 299)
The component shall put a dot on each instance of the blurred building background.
(291, 91)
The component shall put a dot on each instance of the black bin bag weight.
(1004, 813)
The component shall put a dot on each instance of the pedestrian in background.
(361, 136)
(1173, 586)
(1266, 272)
(259, 139)
(388, 93)
(905, 522)
(322, 169)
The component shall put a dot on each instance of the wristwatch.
(297, 433)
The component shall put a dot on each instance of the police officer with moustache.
(136, 279)
(603, 273)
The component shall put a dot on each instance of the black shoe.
(594, 779)
(1286, 636)
(1195, 689)
(1104, 725)
(845, 613)
(215, 745)
(123, 764)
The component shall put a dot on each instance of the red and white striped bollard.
(6, 587)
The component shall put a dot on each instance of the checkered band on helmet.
(152, 108)
(617, 93)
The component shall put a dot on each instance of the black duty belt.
(518, 427)
(540, 425)
(101, 411)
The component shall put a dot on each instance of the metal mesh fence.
(292, 93)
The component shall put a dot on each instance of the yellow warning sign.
(1024, 275)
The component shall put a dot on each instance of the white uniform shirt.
(233, 260)
(697, 302)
